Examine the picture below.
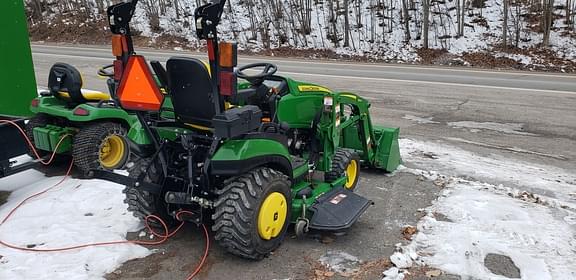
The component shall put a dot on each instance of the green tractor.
(248, 158)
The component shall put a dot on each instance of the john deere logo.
(311, 88)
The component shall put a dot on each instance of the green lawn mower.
(88, 125)
(248, 158)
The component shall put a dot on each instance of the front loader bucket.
(17, 74)
(388, 151)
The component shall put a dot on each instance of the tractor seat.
(65, 82)
(191, 89)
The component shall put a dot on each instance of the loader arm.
(378, 146)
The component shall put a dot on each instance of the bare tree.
(426, 20)
(406, 20)
(547, 8)
(505, 25)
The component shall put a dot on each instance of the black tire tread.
(235, 209)
(340, 162)
(87, 142)
(142, 203)
(39, 120)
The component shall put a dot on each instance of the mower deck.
(337, 210)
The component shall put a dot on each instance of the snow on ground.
(510, 128)
(486, 207)
(420, 120)
(550, 183)
(75, 213)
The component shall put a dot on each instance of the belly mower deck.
(337, 210)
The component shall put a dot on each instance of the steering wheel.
(104, 72)
(269, 70)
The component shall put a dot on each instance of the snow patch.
(420, 120)
(340, 262)
(393, 273)
(540, 243)
(510, 128)
(482, 217)
(76, 212)
(506, 174)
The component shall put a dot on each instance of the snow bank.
(77, 212)
(481, 210)
(535, 237)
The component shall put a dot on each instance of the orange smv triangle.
(138, 89)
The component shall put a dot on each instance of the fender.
(236, 157)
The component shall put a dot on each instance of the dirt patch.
(367, 270)
(426, 273)
(4, 197)
(71, 29)
(429, 56)
(153, 266)
(487, 60)
(502, 265)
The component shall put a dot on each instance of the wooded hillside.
(525, 31)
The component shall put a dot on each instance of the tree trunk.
(505, 26)
(426, 20)
(547, 22)
(406, 19)
(346, 25)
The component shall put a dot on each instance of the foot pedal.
(337, 210)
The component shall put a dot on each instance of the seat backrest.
(65, 81)
(191, 89)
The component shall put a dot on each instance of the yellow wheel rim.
(112, 152)
(351, 174)
(272, 216)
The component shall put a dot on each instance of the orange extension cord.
(163, 237)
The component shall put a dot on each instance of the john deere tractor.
(248, 158)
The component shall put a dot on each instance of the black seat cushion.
(65, 78)
(191, 90)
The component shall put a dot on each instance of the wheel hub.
(272, 216)
(351, 173)
(112, 152)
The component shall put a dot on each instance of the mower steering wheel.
(269, 70)
(104, 72)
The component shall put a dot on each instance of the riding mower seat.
(65, 82)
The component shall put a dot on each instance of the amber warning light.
(138, 90)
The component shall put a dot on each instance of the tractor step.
(337, 210)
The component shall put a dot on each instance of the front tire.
(252, 213)
(345, 163)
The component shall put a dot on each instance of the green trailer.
(19, 85)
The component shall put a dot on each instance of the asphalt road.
(523, 115)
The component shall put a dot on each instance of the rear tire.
(242, 213)
(91, 141)
(39, 120)
(345, 160)
(142, 203)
